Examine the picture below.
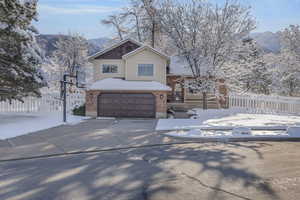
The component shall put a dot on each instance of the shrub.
(79, 110)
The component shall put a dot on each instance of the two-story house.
(129, 81)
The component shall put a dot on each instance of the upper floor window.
(106, 68)
(145, 69)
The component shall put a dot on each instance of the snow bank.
(228, 118)
(241, 131)
(294, 131)
(119, 84)
(15, 124)
(197, 133)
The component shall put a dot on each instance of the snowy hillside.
(269, 41)
(97, 44)
(47, 42)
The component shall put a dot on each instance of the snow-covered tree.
(248, 71)
(20, 75)
(288, 74)
(133, 14)
(288, 69)
(52, 74)
(290, 39)
(70, 56)
(205, 35)
(151, 24)
(71, 53)
(138, 20)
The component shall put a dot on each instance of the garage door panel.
(143, 107)
(131, 107)
(126, 105)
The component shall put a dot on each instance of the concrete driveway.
(87, 136)
(156, 169)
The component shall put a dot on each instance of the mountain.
(97, 44)
(269, 41)
(47, 43)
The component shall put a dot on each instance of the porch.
(182, 98)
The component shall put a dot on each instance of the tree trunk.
(120, 35)
(291, 89)
(153, 34)
(138, 28)
(204, 101)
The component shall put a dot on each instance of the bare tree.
(149, 7)
(71, 53)
(134, 12)
(139, 20)
(205, 35)
(116, 21)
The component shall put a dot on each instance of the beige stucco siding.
(98, 75)
(146, 57)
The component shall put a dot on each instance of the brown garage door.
(126, 105)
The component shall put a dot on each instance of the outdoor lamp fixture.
(161, 96)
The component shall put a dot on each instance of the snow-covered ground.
(196, 133)
(228, 118)
(236, 123)
(15, 124)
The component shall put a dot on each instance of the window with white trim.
(145, 69)
(108, 68)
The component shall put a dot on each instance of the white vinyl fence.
(265, 104)
(47, 103)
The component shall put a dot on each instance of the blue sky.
(84, 16)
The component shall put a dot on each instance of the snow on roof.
(145, 47)
(120, 84)
(179, 66)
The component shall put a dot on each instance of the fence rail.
(265, 104)
(47, 103)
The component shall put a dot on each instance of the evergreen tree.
(289, 61)
(19, 54)
(288, 71)
(249, 71)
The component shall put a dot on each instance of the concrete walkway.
(87, 136)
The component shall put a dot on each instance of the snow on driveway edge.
(17, 124)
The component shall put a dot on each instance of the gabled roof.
(114, 46)
(143, 48)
